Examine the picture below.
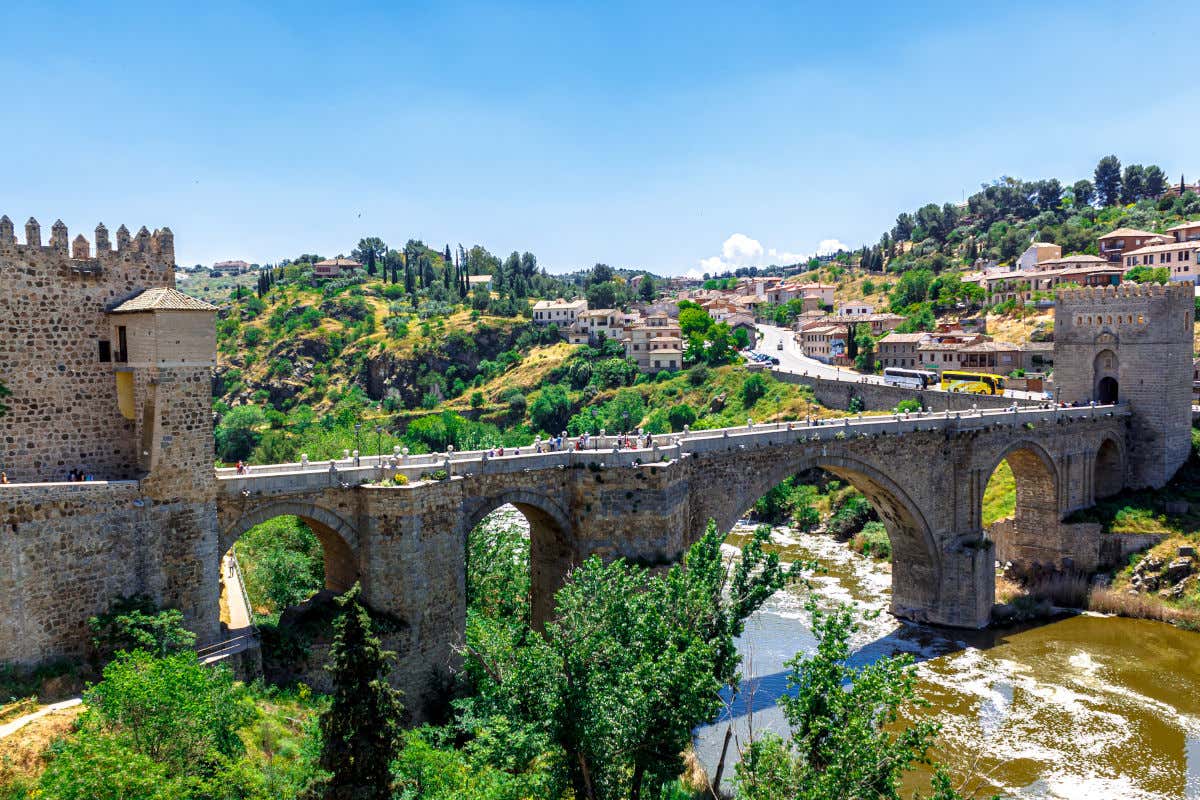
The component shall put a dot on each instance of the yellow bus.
(972, 382)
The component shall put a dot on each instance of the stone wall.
(68, 549)
(63, 409)
(881, 397)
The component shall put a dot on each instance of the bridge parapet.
(666, 447)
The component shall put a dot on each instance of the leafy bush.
(873, 541)
(854, 512)
(681, 415)
(550, 410)
(754, 388)
(698, 375)
(909, 405)
(137, 623)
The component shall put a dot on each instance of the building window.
(122, 345)
(105, 351)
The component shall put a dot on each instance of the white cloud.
(740, 250)
(830, 246)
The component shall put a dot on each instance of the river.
(1083, 707)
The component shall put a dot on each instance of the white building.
(562, 313)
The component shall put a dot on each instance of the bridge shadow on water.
(922, 642)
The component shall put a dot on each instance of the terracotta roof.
(1181, 226)
(1127, 232)
(1170, 247)
(894, 337)
(338, 262)
(162, 299)
(1079, 258)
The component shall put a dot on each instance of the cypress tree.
(360, 731)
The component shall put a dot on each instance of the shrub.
(851, 516)
(137, 623)
(698, 375)
(476, 399)
(909, 405)
(873, 541)
(681, 415)
(754, 388)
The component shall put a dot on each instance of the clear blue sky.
(582, 132)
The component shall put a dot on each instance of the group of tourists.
(626, 441)
(78, 476)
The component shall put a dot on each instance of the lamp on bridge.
(379, 443)
(357, 441)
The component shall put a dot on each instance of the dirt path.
(9, 728)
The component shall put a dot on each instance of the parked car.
(779, 345)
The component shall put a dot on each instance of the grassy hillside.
(301, 366)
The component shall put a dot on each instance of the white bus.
(911, 378)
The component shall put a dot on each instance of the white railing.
(610, 451)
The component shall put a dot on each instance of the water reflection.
(1084, 707)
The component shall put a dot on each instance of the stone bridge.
(924, 474)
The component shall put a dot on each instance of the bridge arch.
(1036, 482)
(1108, 469)
(551, 554)
(916, 556)
(338, 538)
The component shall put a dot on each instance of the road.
(792, 359)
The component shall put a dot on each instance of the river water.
(1084, 707)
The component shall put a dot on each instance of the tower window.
(105, 351)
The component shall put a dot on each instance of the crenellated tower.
(1132, 344)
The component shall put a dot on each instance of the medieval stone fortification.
(110, 373)
(1132, 343)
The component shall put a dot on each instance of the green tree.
(1108, 180)
(646, 288)
(137, 623)
(754, 388)
(694, 319)
(1083, 192)
(369, 252)
(237, 433)
(680, 416)
(847, 739)
(1155, 181)
(603, 295)
(360, 731)
(99, 767)
(173, 710)
(865, 360)
(550, 410)
(1149, 275)
(630, 665)
(1133, 183)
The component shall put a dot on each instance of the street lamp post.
(357, 442)
(379, 443)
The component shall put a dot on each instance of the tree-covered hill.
(999, 221)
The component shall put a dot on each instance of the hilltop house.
(560, 312)
(231, 267)
(1036, 253)
(334, 267)
(1115, 244)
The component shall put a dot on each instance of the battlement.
(1179, 292)
(155, 249)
